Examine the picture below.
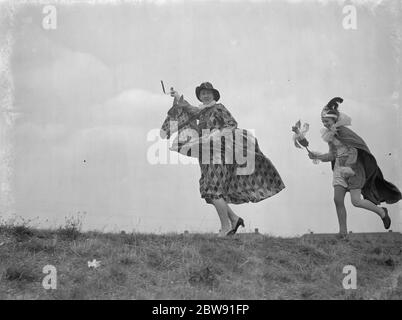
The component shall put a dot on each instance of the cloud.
(57, 86)
(126, 119)
(134, 107)
(285, 65)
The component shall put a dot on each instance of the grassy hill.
(196, 266)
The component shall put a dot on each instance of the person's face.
(327, 122)
(206, 96)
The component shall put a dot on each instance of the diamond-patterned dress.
(222, 179)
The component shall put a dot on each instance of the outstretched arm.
(330, 156)
(179, 102)
(326, 157)
(192, 110)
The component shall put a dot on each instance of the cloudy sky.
(90, 100)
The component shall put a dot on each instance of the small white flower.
(93, 264)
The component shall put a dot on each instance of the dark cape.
(376, 188)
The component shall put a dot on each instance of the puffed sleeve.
(221, 118)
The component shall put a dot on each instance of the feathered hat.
(331, 109)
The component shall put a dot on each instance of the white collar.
(329, 134)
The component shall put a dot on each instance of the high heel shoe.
(240, 222)
(224, 234)
(386, 220)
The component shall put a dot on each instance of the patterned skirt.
(223, 181)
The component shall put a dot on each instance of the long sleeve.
(180, 116)
(181, 105)
(193, 111)
(221, 118)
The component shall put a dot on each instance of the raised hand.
(174, 93)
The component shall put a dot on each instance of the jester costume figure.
(354, 167)
(232, 164)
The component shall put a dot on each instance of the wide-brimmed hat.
(208, 86)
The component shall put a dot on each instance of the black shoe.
(240, 222)
(386, 220)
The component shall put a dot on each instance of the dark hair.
(333, 105)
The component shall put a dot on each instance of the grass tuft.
(72, 227)
(195, 266)
(21, 273)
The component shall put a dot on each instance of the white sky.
(90, 90)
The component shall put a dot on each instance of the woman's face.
(328, 122)
(206, 96)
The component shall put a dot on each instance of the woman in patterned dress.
(222, 183)
(354, 168)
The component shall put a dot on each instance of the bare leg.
(233, 217)
(359, 202)
(222, 209)
(339, 199)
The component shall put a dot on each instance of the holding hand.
(313, 155)
(178, 99)
(174, 93)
